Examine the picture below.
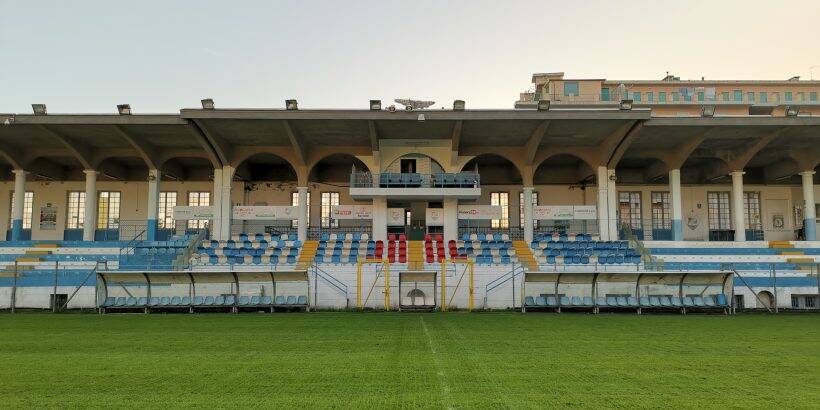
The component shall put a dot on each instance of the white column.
(612, 205)
(379, 219)
(153, 204)
(302, 192)
(450, 219)
(216, 222)
(90, 212)
(602, 182)
(809, 214)
(225, 202)
(19, 204)
(676, 204)
(527, 214)
(737, 206)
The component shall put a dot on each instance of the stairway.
(780, 245)
(307, 254)
(415, 255)
(525, 256)
(804, 263)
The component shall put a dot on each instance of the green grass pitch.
(392, 360)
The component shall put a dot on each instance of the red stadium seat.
(402, 237)
(439, 238)
(391, 237)
(429, 258)
(391, 258)
(428, 237)
(402, 258)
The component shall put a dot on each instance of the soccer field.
(381, 360)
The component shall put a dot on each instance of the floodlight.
(375, 105)
(421, 117)
(391, 108)
(39, 109)
(208, 104)
(458, 105)
(124, 109)
(291, 105)
(625, 105)
(708, 110)
(543, 105)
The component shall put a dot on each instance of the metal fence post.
(54, 291)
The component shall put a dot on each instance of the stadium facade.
(583, 176)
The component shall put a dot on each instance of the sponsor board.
(479, 212)
(434, 217)
(563, 212)
(351, 212)
(250, 213)
(193, 212)
(395, 216)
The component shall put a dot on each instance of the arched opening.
(501, 182)
(328, 185)
(765, 299)
(417, 297)
(266, 180)
(563, 169)
(494, 170)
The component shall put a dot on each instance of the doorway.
(408, 166)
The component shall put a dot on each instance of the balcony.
(613, 99)
(464, 185)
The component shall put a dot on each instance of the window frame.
(197, 223)
(325, 207)
(75, 219)
(496, 200)
(165, 214)
(111, 219)
(28, 209)
(721, 218)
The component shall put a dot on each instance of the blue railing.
(413, 180)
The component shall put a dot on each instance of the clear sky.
(159, 56)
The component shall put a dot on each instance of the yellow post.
(472, 287)
(444, 286)
(359, 285)
(387, 287)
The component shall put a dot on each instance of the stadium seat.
(165, 301)
(244, 300)
(564, 301)
(551, 301)
(266, 300)
(721, 300)
(280, 300)
(676, 302)
(698, 301)
(219, 301)
(109, 302)
(302, 300)
(644, 301)
(186, 301)
(575, 301)
(709, 301)
(176, 301)
(153, 301)
(209, 301)
(600, 301)
(255, 300)
(688, 302)
(529, 301)
(612, 301)
(540, 301)
(632, 301)
(199, 300)
(291, 300)
(622, 301)
(655, 301)
(666, 301)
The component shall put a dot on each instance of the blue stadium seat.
(280, 300)
(291, 300)
(199, 300)
(722, 300)
(165, 301)
(564, 301)
(176, 301)
(666, 301)
(540, 301)
(655, 301)
(109, 302)
(529, 301)
(154, 301)
(600, 301)
(266, 300)
(622, 301)
(219, 301)
(632, 301)
(644, 301)
(186, 301)
(687, 301)
(230, 300)
(698, 301)
(612, 301)
(244, 300)
(255, 300)
(709, 301)
(575, 301)
(676, 302)
(551, 301)
(302, 300)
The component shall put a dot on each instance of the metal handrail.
(415, 180)
(495, 283)
(183, 261)
(650, 262)
(330, 279)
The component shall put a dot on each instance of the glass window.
(629, 207)
(800, 97)
(813, 96)
(650, 96)
(811, 301)
(788, 96)
(604, 94)
(165, 216)
(198, 199)
(737, 95)
(571, 88)
(687, 97)
(75, 215)
(751, 211)
(724, 96)
(700, 95)
(328, 200)
(28, 209)
(294, 201)
(662, 96)
(719, 217)
(795, 302)
(661, 218)
(108, 210)
(521, 208)
(764, 98)
(408, 218)
(675, 96)
(501, 199)
(636, 96)
(750, 96)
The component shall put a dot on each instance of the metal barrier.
(414, 180)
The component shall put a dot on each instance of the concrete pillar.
(153, 204)
(612, 205)
(737, 206)
(527, 222)
(379, 219)
(19, 204)
(450, 219)
(301, 233)
(90, 212)
(226, 206)
(809, 214)
(602, 182)
(216, 203)
(676, 204)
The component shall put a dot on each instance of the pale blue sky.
(88, 56)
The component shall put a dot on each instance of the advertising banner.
(351, 212)
(479, 212)
(585, 212)
(435, 217)
(395, 216)
(552, 212)
(48, 217)
(193, 212)
(254, 213)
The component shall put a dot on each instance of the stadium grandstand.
(591, 194)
